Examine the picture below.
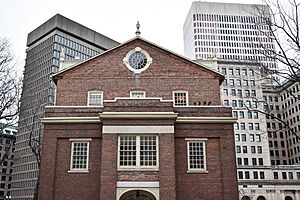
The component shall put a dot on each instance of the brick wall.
(168, 72)
(108, 74)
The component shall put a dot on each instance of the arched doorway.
(288, 198)
(137, 195)
(261, 198)
(246, 198)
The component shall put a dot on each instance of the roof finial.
(138, 32)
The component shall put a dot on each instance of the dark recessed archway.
(288, 198)
(137, 195)
(246, 198)
(261, 198)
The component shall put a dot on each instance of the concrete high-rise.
(226, 31)
(45, 46)
(228, 37)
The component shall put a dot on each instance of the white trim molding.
(208, 120)
(51, 120)
(138, 115)
(137, 184)
(137, 129)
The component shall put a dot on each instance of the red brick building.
(138, 122)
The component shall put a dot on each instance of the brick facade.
(72, 119)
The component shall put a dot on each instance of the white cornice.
(208, 120)
(138, 115)
(50, 120)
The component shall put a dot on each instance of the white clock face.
(137, 60)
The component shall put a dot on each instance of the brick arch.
(137, 195)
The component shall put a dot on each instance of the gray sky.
(161, 20)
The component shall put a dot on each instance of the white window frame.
(95, 92)
(197, 140)
(138, 166)
(137, 91)
(79, 140)
(181, 91)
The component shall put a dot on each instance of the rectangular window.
(246, 162)
(243, 137)
(260, 161)
(180, 98)
(275, 175)
(256, 126)
(255, 175)
(259, 149)
(225, 92)
(242, 126)
(245, 149)
(137, 94)
(247, 175)
(262, 175)
(250, 126)
(253, 149)
(138, 151)
(235, 114)
(249, 115)
(251, 137)
(254, 161)
(226, 102)
(196, 155)
(238, 149)
(79, 154)
(242, 116)
(291, 177)
(284, 175)
(95, 98)
(240, 175)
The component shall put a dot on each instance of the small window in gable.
(180, 98)
(95, 98)
(137, 94)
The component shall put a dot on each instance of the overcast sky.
(161, 20)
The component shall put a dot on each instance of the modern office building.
(57, 37)
(283, 122)
(142, 123)
(226, 31)
(261, 175)
(227, 37)
(7, 149)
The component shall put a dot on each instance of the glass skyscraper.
(58, 37)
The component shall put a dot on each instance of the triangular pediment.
(164, 64)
